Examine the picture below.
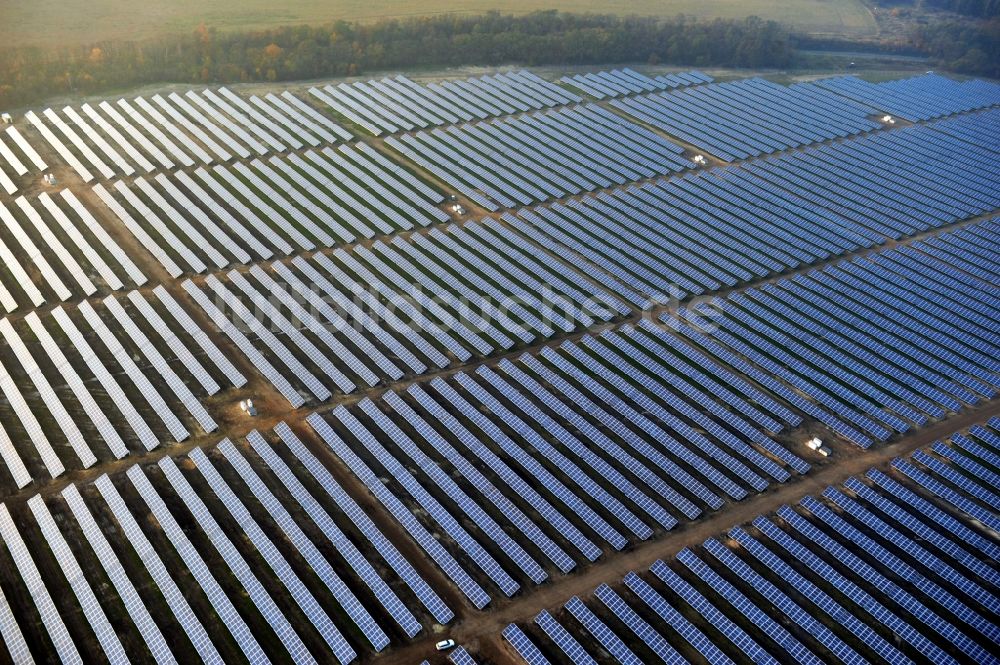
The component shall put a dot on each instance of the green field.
(72, 22)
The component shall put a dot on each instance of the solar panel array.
(524, 646)
(894, 566)
(976, 129)
(561, 426)
(491, 469)
(711, 230)
(917, 98)
(461, 657)
(540, 155)
(137, 136)
(966, 249)
(69, 157)
(881, 344)
(62, 642)
(17, 157)
(134, 605)
(750, 117)
(398, 104)
(216, 217)
(374, 314)
(97, 381)
(335, 564)
(54, 249)
(625, 81)
(16, 138)
(346, 504)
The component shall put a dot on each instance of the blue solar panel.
(790, 608)
(600, 630)
(649, 635)
(900, 516)
(523, 645)
(659, 605)
(562, 639)
(930, 563)
(428, 502)
(569, 469)
(547, 479)
(485, 487)
(756, 616)
(323, 520)
(565, 438)
(736, 635)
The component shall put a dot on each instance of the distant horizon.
(50, 23)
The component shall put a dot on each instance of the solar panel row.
(346, 504)
(134, 605)
(398, 104)
(12, 165)
(361, 566)
(461, 657)
(635, 472)
(28, 571)
(624, 433)
(245, 213)
(371, 314)
(205, 127)
(58, 271)
(625, 81)
(750, 117)
(541, 155)
(239, 479)
(67, 156)
(976, 129)
(84, 593)
(917, 98)
(15, 137)
(842, 337)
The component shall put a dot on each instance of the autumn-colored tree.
(202, 35)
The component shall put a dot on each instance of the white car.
(444, 645)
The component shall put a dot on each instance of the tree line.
(208, 56)
(977, 8)
(980, 8)
(962, 46)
